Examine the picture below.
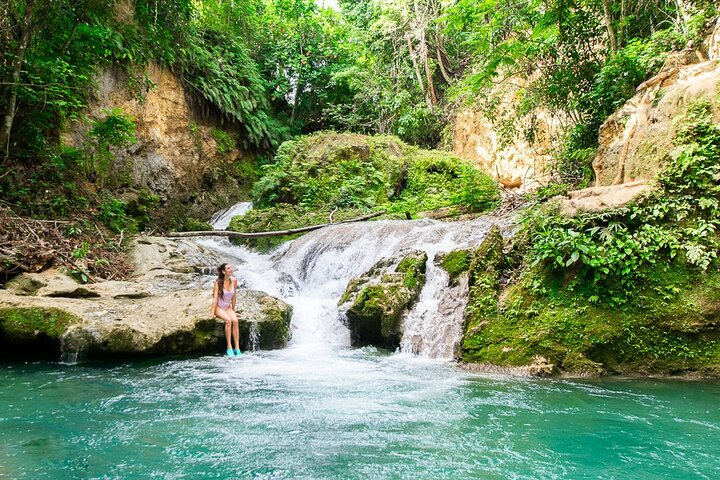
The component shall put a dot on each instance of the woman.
(223, 307)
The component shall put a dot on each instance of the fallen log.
(277, 233)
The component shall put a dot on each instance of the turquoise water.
(355, 414)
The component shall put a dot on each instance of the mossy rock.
(455, 263)
(673, 327)
(328, 171)
(33, 332)
(264, 317)
(484, 273)
(378, 299)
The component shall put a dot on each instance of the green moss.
(484, 282)
(327, 171)
(413, 266)
(25, 325)
(194, 225)
(225, 143)
(275, 332)
(455, 262)
(660, 334)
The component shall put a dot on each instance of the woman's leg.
(225, 315)
(236, 328)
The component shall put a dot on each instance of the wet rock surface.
(165, 311)
(375, 302)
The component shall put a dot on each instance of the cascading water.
(349, 413)
(220, 220)
(312, 272)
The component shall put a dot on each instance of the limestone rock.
(375, 302)
(577, 364)
(714, 42)
(540, 367)
(514, 162)
(176, 155)
(596, 199)
(265, 318)
(54, 283)
(635, 140)
(171, 323)
(168, 264)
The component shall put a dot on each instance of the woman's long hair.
(221, 276)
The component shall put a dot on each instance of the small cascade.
(220, 220)
(254, 337)
(70, 358)
(426, 331)
(312, 272)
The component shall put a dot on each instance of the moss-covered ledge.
(33, 332)
(672, 329)
(377, 300)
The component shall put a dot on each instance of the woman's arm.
(215, 299)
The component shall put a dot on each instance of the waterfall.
(311, 273)
(254, 337)
(220, 220)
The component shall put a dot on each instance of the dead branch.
(278, 233)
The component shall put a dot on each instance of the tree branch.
(277, 233)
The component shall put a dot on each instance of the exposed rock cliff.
(177, 155)
(635, 141)
(509, 157)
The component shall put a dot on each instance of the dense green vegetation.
(627, 289)
(276, 68)
(341, 176)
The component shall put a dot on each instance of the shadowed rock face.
(376, 301)
(165, 311)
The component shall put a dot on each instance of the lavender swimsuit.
(225, 298)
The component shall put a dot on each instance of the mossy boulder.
(376, 301)
(33, 331)
(264, 320)
(484, 273)
(672, 328)
(455, 263)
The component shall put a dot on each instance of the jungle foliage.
(338, 171)
(630, 289)
(274, 69)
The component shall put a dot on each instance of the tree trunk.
(607, 19)
(441, 55)
(416, 68)
(69, 40)
(296, 95)
(7, 121)
(428, 73)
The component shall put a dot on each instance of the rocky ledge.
(375, 302)
(164, 310)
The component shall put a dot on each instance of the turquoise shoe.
(229, 352)
(237, 352)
